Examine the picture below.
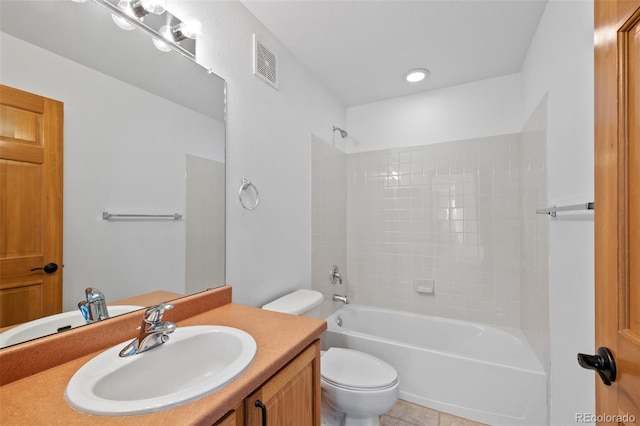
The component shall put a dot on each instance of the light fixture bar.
(151, 25)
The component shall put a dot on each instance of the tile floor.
(407, 414)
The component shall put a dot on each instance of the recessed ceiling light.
(416, 75)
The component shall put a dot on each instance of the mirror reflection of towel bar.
(109, 216)
(553, 209)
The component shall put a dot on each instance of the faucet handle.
(334, 275)
(154, 314)
(92, 294)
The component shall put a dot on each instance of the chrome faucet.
(154, 335)
(94, 308)
(338, 298)
(336, 278)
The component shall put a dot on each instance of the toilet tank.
(301, 302)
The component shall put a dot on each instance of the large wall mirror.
(144, 133)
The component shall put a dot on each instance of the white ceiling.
(360, 50)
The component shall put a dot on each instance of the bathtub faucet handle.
(334, 275)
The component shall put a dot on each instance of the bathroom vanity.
(283, 380)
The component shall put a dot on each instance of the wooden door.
(31, 134)
(617, 197)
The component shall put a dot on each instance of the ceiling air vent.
(265, 63)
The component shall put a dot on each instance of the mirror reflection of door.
(31, 143)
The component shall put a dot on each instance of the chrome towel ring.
(248, 195)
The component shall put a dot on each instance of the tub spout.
(338, 298)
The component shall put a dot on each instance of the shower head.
(343, 133)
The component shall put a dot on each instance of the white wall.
(205, 260)
(474, 110)
(136, 166)
(268, 142)
(560, 64)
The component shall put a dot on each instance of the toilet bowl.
(358, 384)
(354, 383)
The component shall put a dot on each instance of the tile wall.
(458, 213)
(447, 212)
(534, 284)
(328, 215)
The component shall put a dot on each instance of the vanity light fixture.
(151, 16)
(138, 9)
(416, 75)
(189, 28)
(142, 8)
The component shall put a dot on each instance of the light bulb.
(190, 27)
(122, 23)
(161, 45)
(165, 32)
(157, 7)
(125, 6)
(416, 75)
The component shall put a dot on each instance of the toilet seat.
(354, 370)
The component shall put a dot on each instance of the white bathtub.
(475, 371)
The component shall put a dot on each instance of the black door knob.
(49, 268)
(603, 363)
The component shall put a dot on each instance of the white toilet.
(354, 383)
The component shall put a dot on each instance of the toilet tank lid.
(296, 303)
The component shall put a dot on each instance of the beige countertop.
(38, 399)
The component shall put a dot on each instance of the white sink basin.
(196, 361)
(54, 324)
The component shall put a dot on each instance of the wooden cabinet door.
(31, 132)
(617, 197)
(292, 396)
(233, 418)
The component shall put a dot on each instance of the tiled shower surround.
(534, 239)
(459, 213)
(328, 215)
(447, 212)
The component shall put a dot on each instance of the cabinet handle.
(264, 411)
